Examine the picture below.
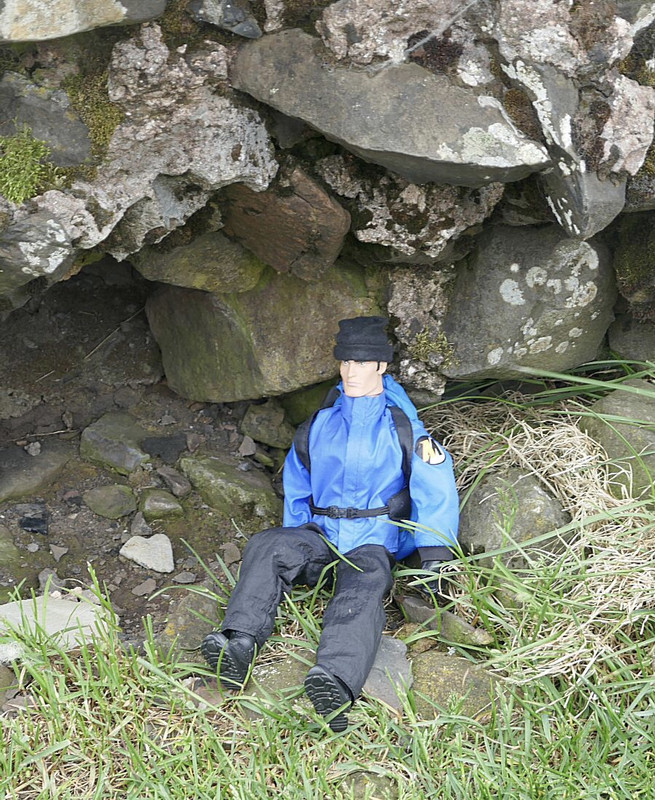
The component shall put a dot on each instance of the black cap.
(363, 339)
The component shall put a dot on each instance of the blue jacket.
(356, 461)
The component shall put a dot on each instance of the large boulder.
(36, 20)
(274, 339)
(404, 118)
(505, 512)
(623, 422)
(528, 298)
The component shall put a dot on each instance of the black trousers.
(279, 558)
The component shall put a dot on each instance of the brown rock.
(295, 226)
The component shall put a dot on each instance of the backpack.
(398, 506)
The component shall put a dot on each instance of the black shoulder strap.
(301, 439)
(405, 437)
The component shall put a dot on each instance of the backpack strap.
(405, 438)
(301, 439)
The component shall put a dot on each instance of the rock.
(139, 526)
(623, 422)
(231, 15)
(67, 623)
(363, 30)
(50, 583)
(210, 262)
(364, 783)
(634, 263)
(270, 340)
(49, 116)
(34, 517)
(158, 504)
(265, 423)
(190, 617)
(506, 510)
(446, 680)
(247, 447)
(154, 553)
(8, 681)
(391, 674)
(458, 137)
(22, 475)
(231, 553)
(631, 339)
(299, 406)
(528, 298)
(178, 484)
(416, 224)
(58, 552)
(419, 299)
(232, 492)
(185, 577)
(10, 555)
(112, 502)
(168, 448)
(33, 21)
(447, 626)
(294, 226)
(147, 587)
(113, 441)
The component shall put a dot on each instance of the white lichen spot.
(574, 333)
(554, 284)
(511, 292)
(536, 276)
(494, 356)
(542, 343)
(562, 347)
(519, 352)
(514, 267)
(582, 295)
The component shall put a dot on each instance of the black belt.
(334, 512)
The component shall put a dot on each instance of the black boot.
(232, 656)
(328, 694)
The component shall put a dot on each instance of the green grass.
(573, 641)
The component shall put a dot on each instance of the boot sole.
(327, 697)
(216, 653)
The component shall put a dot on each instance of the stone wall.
(481, 172)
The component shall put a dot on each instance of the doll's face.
(362, 378)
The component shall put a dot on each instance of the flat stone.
(265, 423)
(155, 553)
(114, 441)
(22, 475)
(68, 622)
(112, 502)
(391, 674)
(458, 137)
(177, 483)
(168, 448)
(147, 587)
(446, 626)
(441, 680)
(158, 504)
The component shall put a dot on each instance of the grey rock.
(391, 674)
(146, 587)
(36, 20)
(177, 483)
(155, 553)
(271, 340)
(139, 526)
(634, 262)
(506, 510)
(67, 622)
(441, 680)
(22, 475)
(447, 626)
(623, 422)
(191, 615)
(631, 339)
(48, 114)
(414, 224)
(10, 555)
(528, 298)
(232, 492)
(265, 423)
(112, 502)
(35, 517)
(457, 138)
(158, 504)
(231, 15)
(50, 582)
(8, 680)
(168, 448)
(58, 552)
(210, 262)
(113, 441)
(185, 577)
